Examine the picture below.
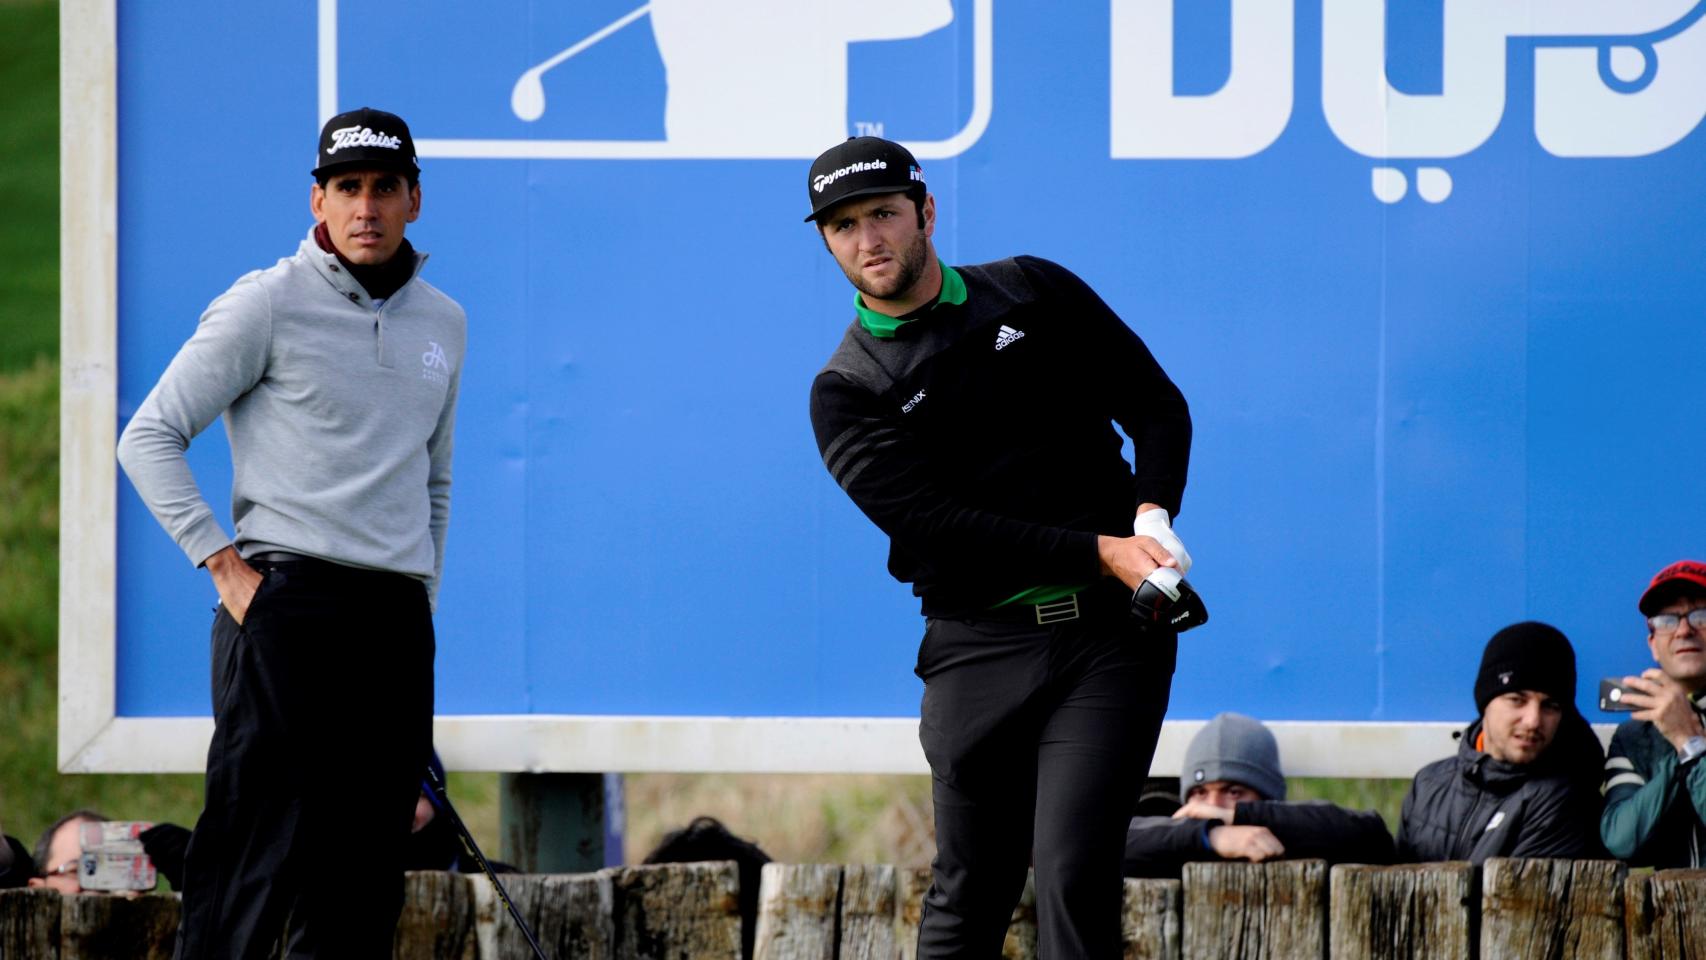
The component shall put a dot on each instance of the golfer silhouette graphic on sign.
(753, 77)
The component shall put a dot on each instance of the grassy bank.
(29, 183)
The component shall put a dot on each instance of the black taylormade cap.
(366, 138)
(860, 167)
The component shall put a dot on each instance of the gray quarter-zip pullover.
(340, 415)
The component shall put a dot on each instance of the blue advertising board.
(1428, 274)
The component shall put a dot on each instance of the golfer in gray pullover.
(336, 371)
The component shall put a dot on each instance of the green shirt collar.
(883, 326)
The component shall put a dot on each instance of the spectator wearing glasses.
(1655, 782)
(59, 853)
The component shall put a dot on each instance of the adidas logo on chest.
(1007, 336)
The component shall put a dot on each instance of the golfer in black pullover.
(969, 413)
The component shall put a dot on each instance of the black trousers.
(1038, 738)
(322, 706)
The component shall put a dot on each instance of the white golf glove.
(1153, 523)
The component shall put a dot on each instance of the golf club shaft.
(474, 848)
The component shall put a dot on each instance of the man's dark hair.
(707, 840)
(46, 842)
(917, 195)
(916, 192)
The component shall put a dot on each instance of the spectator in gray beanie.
(1525, 780)
(1234, 808)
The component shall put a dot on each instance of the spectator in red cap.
(1655, 783)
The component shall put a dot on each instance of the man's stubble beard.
(912, 262)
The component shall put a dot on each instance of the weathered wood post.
(29, 924)
(909, 888)
(797, 904)
(570, 914)
(99, 927)
(1564, 909)
(1150, 926)
(676, 911)
(437, 922)
(868, 912)
(1249, 910)
(1678, 929)
(1404, 912)
(1638, 917)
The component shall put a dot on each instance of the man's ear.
(414, 202)
(36, 883)
(317, 202)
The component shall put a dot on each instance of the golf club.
(441, 800)
(527, 98)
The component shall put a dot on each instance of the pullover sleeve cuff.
(203, 540)
(1086, 552)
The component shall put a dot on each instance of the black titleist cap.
(860, 167)
(366, 138)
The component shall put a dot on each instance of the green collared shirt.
(884, 326)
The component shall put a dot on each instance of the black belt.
(277, 556)
(1063, 610)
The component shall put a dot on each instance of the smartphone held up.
(1611, 694)
(113, 859)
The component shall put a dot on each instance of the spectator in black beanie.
(1524, 782)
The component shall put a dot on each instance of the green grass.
(29, 183)
(1382, 796)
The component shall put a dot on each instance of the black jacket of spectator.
(1161, 846)
(16, 865)
(165, 844)
(1472, 807)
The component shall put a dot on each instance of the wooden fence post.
(868, 912)
(570, 913)
(1678, 900)
(1638, 917)
(437, 922)
(1150, 927)
(1567, 909)
(100, 927)
(29, 924)
(1239, 910)
(1404, 912)
(676, 911)
(796, 912)
(911, 884)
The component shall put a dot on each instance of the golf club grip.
(480, 858)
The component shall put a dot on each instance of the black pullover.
(1161, 846)
(979, 436)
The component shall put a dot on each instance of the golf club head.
(1165, 599)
